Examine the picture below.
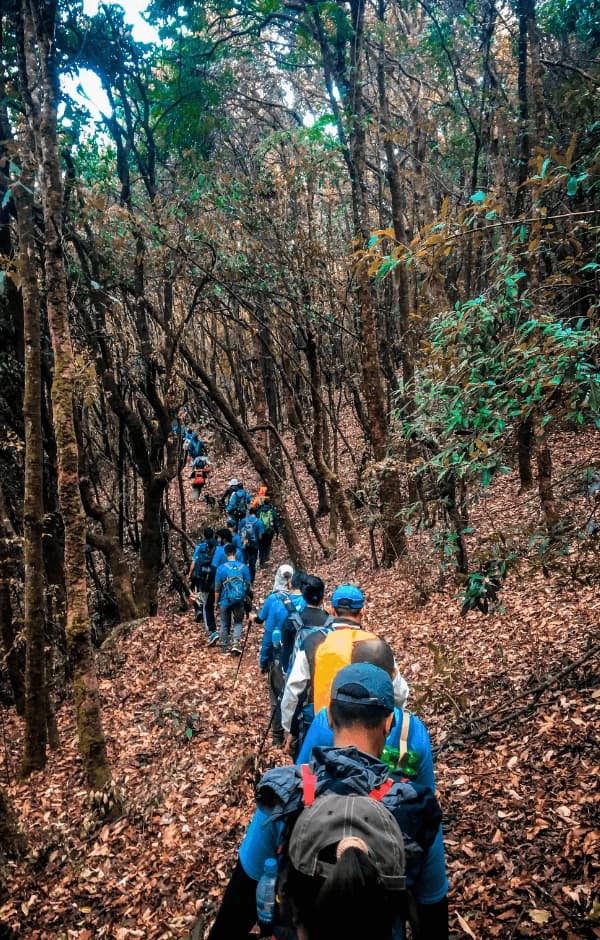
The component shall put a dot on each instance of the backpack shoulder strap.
(378, 793)
(403, 743)
(309, 785)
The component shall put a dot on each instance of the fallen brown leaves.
(520, 802)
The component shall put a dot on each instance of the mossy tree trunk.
(40, 92)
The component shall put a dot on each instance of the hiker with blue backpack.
(238, 504)
(355, 850)
(250, 530)
(232, 588)
(202, 580)
(286, 589)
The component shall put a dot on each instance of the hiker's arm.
(237, 914)
(433, 920)
(297, 682)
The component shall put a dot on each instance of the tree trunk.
(35, 736)
(40, 50)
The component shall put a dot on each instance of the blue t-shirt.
(263, 838)
(276, 617)
(320, 735)
(219, 557)
(229, 570)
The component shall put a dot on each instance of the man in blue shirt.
(232, 583)
(361, 713)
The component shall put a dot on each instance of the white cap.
(233, 482)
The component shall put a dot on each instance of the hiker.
(224, 538)
(259, 497)
(235, 538)
(232, 584)
(274, 611)
(307, 686)
(250, 530)
(279, 611)
(282, 584)
(239, 501)
(202, 579)
(199, 475)
(301, 620)
(195, 446)
(303, 813)
(267, 514)
(226, 496)
(407, 747)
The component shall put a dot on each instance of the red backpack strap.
(379, 792)
(309, 784)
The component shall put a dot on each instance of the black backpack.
(418, 820)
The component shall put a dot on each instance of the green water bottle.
(409, 765)
(390, 757)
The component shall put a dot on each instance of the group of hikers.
(223, 566)
(347, 840)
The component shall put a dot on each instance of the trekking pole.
(237, 672)
(267, 729)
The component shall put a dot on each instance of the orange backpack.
(331, 655)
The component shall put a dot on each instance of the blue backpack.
(202, 567)
(233, 589)
(246, 532)
(239, 505)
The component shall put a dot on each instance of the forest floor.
(512, 702)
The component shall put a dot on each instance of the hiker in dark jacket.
(232, 486)
(361, 710)
(267, 515)
(202, 579)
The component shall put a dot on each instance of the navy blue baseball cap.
(363, 684)
(348, 596)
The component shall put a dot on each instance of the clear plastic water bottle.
(265, 896)
(276, 638)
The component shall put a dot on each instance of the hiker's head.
(208, 532)
(361, 708)
(231, 523)
(347, 865)
(377, 652)
(313, 590)
(283, 578)
(348, 601)
(230, 550)
(298, 579)
(224, 536)
(262, 491)
(233, 482)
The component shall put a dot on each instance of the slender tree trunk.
(35, 735)
(41, 94)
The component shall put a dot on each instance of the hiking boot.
(213, 638)
(235, 650)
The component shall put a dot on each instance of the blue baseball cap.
(348, 596)
(363, 684)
